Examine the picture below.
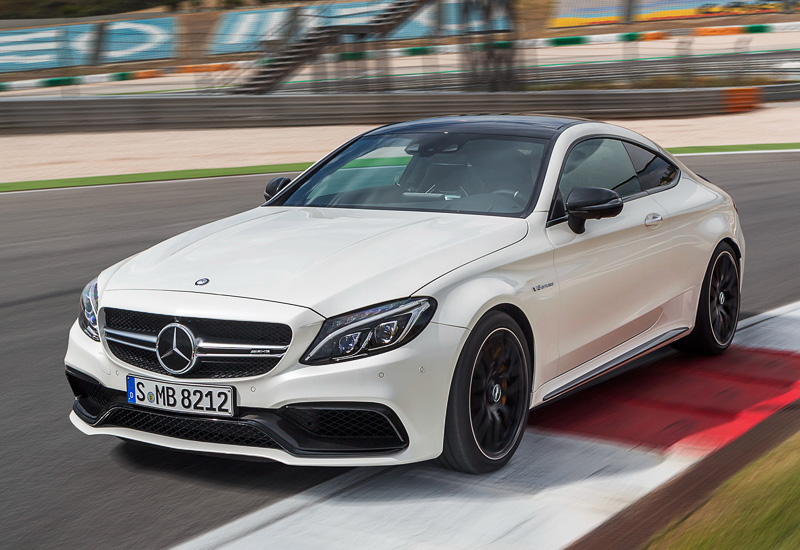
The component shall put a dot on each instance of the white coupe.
(411, 296)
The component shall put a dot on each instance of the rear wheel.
(718, 309)
(489, 397)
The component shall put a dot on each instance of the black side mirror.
(274, 187)
(591, 203)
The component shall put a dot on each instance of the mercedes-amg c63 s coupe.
(411, 296)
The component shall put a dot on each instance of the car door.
(611, 277)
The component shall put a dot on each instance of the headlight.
(87, 315)
(370, 331)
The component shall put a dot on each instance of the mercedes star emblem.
(176, 348)
(497, 393)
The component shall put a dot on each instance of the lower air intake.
(227, 432)
(342, 423)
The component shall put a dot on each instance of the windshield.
(445, 172)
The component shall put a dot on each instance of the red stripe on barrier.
(685, 404)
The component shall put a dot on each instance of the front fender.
(507, 277)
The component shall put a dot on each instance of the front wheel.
(489, 397)
(718, 310)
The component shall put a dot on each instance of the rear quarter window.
(652, 170)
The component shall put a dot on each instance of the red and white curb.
(582, 460)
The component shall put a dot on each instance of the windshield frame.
(289, 190)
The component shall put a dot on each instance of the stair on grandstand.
(293, 55)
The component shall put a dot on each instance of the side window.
(653, 171)
(599, 162)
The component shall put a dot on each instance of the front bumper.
(302, 429)
(407, 388)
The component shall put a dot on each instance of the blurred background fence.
(402, 45)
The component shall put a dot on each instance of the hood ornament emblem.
(201, 282)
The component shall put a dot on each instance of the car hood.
(329, 260)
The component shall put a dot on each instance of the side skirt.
(625, 358)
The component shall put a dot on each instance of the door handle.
(652, 220)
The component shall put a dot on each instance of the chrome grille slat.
(132, 344)
(221, 345)
(131, 335)
(204, 354)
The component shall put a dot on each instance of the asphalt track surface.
(61, 489)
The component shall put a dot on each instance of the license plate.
(185, 398)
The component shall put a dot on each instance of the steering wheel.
(516, 196)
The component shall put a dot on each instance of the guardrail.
(38, 115)
(781, 92)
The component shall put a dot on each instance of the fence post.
(629, 10)
(99, 40)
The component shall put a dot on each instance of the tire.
(718, 309)
(487, 409)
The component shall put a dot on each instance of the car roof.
(536, 126)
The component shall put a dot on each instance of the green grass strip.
(755, 509)
(154, 176)
(734, 148)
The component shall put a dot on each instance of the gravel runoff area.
(39, 157)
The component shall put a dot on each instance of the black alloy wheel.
(718, 309)
(497, 399)
(723, 298)
(487, 410)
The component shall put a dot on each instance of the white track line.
(550, 494)
(773, 151)
(738, 152)
(778, 330)
(761, 317)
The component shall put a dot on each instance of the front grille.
(341, 423)
(277, 334)
(141, 358)
(242, 333)
(206, 430)
(135, 321)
